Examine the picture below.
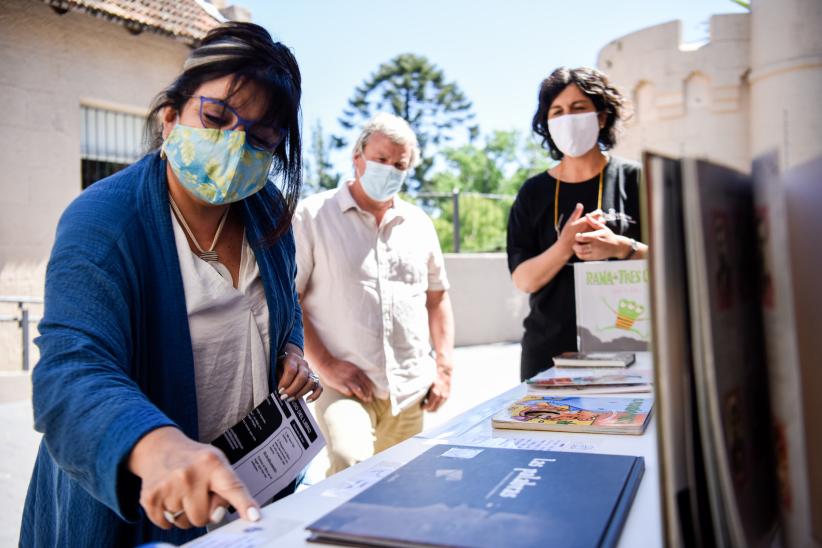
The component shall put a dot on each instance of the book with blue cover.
(459, 496)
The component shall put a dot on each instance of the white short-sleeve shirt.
(364, 288)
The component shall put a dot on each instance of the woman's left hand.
(600, 243)
(296, 377)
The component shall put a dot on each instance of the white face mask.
(380, 181)
(574, 134)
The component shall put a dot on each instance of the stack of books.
(736, 307)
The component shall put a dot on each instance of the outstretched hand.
(185, 483)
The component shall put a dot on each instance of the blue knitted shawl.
(116, 359)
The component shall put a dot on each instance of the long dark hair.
(247, 53)
(593, 83)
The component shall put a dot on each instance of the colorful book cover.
(615, 415)
(594, 359)
(610, 379)
(491, 497)
(612, 305)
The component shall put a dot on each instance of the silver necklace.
(209, 256)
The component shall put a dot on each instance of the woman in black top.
(586, 208)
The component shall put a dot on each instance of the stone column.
(786, 79)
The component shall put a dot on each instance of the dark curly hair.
(593, 83)
(247, 53)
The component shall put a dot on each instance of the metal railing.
(454, 197)
(24, 319)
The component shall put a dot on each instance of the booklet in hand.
(271, 445)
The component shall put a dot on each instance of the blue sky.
(496, 51)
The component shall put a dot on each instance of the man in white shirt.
(373, 289)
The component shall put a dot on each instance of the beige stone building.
(76, 78)
(754, 86)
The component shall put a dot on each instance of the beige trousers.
(355, 430)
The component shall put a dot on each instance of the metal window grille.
(109, 141)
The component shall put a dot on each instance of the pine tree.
(411, 87)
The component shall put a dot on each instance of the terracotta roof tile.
(185, 20)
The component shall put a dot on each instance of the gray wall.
(487, 306)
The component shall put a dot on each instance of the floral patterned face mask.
(217, 166)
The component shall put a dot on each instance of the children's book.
(612, 306)
(682, 476)
(592, 415)
(558, 383)
(728, 352)
(788, 228)
(490, 497)
(594, 359)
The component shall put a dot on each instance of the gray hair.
(393, 127)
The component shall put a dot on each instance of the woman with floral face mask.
(585, 208)
(171, 310)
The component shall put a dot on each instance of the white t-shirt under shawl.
(229, 336)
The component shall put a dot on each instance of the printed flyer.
(271, 445)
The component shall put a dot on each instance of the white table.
(283, 523)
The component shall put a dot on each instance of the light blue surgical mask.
(217, 166)
(380, 181)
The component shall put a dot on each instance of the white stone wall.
(753, 87)
(786, 79)
(688, 99)
(50, 64)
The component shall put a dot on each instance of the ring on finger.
(314, 378)
(171, 516)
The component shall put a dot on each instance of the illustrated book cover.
(612, 306)
(593, 415)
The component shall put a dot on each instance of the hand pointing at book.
(186, 483)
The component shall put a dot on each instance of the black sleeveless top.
(550, 327)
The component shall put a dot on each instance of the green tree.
(411, 87)
(488, 177)
(319, 169)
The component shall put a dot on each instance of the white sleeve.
(304, 242)
(437, 278)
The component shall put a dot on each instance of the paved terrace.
(480, 372)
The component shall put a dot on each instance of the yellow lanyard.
(556, 200)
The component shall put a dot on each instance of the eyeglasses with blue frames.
(217, 114)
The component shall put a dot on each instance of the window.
(109, 141)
